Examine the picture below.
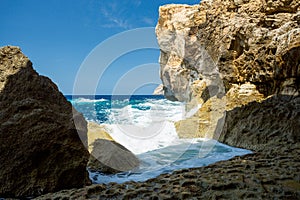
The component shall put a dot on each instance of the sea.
(144, 124)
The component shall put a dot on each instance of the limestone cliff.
(159, 90)
(226, 53)
(40, 147)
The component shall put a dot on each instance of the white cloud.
(148, 21)
(121, 14)
(114, 18)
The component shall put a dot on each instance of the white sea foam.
(84, 100)
(146, 128)
(142, 139)
(184, 155)
(145, 113)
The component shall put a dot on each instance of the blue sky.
(57, 35)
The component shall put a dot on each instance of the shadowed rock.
(40, 148)
(110, 157)
(259, 126)
(96, 131)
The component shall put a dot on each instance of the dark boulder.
(41, 150)
(111, 157)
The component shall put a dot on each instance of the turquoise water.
(145, 126)
(166, 160)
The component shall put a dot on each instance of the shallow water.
(191, 154)
(144, 125)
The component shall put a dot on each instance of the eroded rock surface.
(235, 51)
(272, 123)
(272, 175)
(40, 147)
(159, 90)
(96, 131)
(244, 40)
(108, 156)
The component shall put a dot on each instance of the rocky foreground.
(271, 175)
(240, 59)
(44, 141)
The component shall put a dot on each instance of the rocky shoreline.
(271, 172)
(240, 59)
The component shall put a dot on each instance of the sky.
(61, 36)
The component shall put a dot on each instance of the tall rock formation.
(224, 54)
(40, 147)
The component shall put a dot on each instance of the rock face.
(209, 120)
(96, 131)
(108, 156)
(261, 126)
(159, 90)
(111, 157)
(40, 147)
(224, 54)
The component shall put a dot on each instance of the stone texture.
(271, 175)
(258, 125)
(111, 157)
(108, 156)
(159, 90)
(96, 131)
(40, 147)
(242, 39)
(179, 52)
(209, 120)
(236, 51)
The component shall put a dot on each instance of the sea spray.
(145, 126)
(183, 155)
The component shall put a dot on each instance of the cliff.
(159, 90)
(224, 54)
(40, 148)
